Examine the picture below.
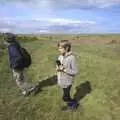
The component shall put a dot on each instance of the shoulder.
(72, 57)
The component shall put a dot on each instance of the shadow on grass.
(82, 90)
(45, 83)
(48, 82)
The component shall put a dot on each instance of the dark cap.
(10, 37)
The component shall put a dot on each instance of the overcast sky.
(60, 16)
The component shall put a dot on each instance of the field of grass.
(99, 64)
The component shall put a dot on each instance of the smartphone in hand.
(58, 62)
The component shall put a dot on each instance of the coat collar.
(68, 54)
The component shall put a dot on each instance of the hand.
(60, 68)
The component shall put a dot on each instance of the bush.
(26, 38)
(2, 45)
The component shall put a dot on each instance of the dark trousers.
(66, 94)
(67, 98)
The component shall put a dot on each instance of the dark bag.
(26, 57)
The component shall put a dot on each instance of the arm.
(73, 67)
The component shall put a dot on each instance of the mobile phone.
(58, 62)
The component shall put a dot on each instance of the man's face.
(61, 50)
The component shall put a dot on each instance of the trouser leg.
(20, 80)
(66, 94)
(67, 98)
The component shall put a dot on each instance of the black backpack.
(27, 61)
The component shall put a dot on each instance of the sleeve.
(73, 67)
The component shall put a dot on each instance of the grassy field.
(98, 59)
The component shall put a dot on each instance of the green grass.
(98, 64)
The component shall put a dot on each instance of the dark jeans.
(67, 98)
(66, 94)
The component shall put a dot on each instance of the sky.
(60, 16)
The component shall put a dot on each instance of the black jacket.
(15, 57)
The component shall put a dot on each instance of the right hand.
(60, 68)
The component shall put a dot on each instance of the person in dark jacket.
(16, 64)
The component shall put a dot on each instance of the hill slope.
(99, 64)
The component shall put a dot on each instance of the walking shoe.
(25, 93)
(31, 89)
(73, 105)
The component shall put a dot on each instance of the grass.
(99, 64)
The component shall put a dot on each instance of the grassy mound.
(99, 67)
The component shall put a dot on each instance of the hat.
(10, 37)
